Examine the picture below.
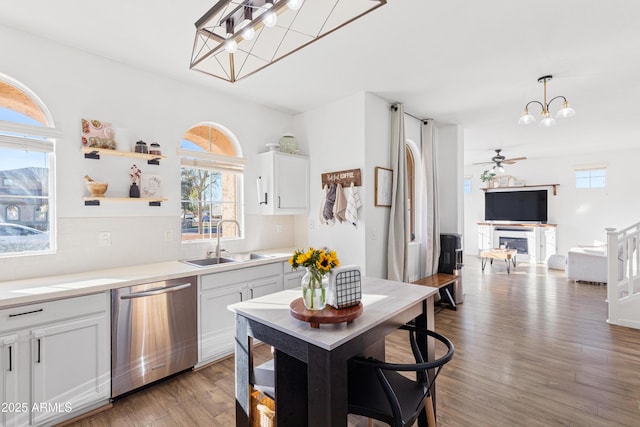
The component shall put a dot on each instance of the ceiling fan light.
(526, 118)
(498, 169)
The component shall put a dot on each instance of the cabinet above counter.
(283, 184)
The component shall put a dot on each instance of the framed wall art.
(384, 178)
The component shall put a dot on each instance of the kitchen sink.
(249, 256)
(208, 262)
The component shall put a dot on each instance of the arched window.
(211, 182)
(27, 141)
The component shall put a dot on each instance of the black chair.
(377, 390)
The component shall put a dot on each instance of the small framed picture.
(150, 185)
(503, 181)
(518, 183)
(384, 179)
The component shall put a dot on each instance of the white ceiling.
(472, 63)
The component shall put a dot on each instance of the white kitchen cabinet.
(9, 381)
(71, 367)
(216, 325)
(291, 278)
(60, 362)
(285, 180)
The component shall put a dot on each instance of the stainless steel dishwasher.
(153, 332)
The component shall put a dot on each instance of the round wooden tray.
(327, 315)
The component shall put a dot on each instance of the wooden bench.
(444, 282)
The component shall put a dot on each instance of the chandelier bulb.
(294, 4)
(526, 118)
(547, 121)
(231, 46)
(270, 18)
(566, 112)
(248, 34)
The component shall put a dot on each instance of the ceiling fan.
(498, 160)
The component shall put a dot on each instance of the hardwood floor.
(532, 349)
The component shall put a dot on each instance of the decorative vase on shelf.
(314, 288)
(288, 144)
(134, 191)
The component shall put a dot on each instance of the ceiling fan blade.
(513, 160)
(483, 163)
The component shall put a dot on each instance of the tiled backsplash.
(137, 240)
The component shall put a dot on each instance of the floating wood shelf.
(95, 153)
(95, 201)
(555, 190)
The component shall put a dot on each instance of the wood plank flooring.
(532, 349)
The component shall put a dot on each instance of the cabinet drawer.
(216, 280)
(36, 314)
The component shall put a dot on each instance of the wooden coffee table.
(508, 255)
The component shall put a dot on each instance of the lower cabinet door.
(70, 367)
(217, 324)
(262, 287)
(12, 407)
(292, 280)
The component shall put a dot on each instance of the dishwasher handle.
(156, 291)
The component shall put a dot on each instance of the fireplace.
(519, 243)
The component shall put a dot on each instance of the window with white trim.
(467, 185)
(211, 178)
(27, 144)
(591, 177)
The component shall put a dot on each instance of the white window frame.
(26, 137)
(591, 168)
(217, 163)
(467, 180)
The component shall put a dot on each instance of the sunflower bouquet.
(318, 262)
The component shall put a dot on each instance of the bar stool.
(377, 390)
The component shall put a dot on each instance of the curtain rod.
(394, 107)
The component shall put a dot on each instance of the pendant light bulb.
(231, 46)
(270, 19)
(294, 4)
(249, 34)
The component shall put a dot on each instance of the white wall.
(377, 153)
(75, 85)
(581, 215)
(334, 135)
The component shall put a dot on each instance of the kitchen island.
(311, 364)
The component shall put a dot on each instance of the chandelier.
(547, 121)
(236, 38)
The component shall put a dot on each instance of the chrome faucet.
(217, 253)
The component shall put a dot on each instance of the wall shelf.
(95, 201)
(95, 153)
(555, 190)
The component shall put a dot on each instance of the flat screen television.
(516, 206)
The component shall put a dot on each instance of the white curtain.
(399, 225)
(430, 230)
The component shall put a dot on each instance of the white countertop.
(39, 289)
(381, 299)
